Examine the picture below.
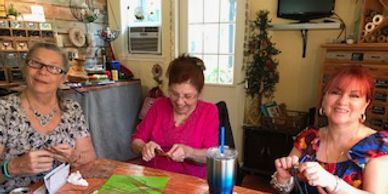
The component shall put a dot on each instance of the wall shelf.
(305, 27)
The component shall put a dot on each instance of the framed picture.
(273, 110)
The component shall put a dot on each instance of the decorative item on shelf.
(157, 73)
(21, 46)
(45, 26)
(139, 13)
(282, 119)
(4, 24)
(108, 35)
(16, 24)
(12, 12)
(84, 10)
(261, 74)
(6, 45)
(31, 25)
(77, 37)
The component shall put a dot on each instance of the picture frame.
(273, 110)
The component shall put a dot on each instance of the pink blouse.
(199, 131)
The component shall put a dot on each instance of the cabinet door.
(261, 148)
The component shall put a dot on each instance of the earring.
(363, 117)
(320, 112)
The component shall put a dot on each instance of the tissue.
(75, 178)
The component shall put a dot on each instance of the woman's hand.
(316, 175)
(179, 152)
(31, 163)
(149, 150)
(284, 165)
(63, 153)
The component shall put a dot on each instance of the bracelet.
(4, 169)
(284, 188)
(336, 187)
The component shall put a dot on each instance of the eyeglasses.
(175, 96)
(50, 68)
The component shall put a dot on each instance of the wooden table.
(177, 183)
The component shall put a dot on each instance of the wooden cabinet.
(261, 148)
(372, 56)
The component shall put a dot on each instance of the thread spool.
(377, 19)
(370, 39)
(372, 13)
(384, 30)
(378, 33)
(369, 27)
(368, 19)
(381, 39)
(364, 33)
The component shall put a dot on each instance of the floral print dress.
(351, 170)
(18, 136)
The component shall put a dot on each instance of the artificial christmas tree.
(261, 73)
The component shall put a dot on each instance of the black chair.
(229, 140)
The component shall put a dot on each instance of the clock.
(77, 37)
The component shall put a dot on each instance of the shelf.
(374, 31)
(307, 26)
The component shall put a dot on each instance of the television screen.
(305, 10)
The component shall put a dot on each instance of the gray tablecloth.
(112, 117)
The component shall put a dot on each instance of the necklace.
(43, 119)
(342, 152)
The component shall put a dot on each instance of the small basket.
(293, 121)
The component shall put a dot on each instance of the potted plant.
(12, 12)
(261, 74)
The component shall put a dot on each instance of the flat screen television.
(305, 10)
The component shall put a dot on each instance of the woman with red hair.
(346, 156)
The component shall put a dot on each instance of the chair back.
(224, 122)
(229, 140)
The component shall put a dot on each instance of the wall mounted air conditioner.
(144, 40)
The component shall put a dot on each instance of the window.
(211, 27)
(145, 12)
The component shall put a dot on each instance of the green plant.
(12, 11)
(261, 74)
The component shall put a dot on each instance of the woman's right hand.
(149, 150)
(283, 166)
(31, 163)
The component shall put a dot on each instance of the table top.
(97, 172)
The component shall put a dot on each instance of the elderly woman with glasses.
(178, 130)
(38, 129)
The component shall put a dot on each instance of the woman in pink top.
(177, 131)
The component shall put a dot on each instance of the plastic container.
(116, 65)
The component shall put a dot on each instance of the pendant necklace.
(43, 119)
(342, 152)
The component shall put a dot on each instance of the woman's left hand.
(316, 175)
(179, 152)
(63, 153)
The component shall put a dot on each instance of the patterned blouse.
(18, 137)
(351, 170)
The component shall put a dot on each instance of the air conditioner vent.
(144, 40)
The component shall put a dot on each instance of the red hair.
(352, 74)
